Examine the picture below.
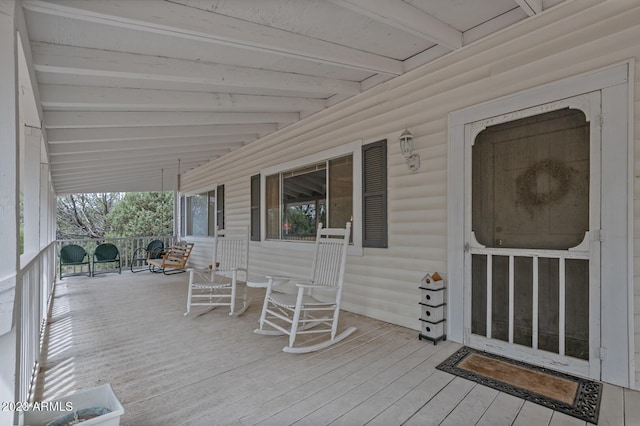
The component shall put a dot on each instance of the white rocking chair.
(296, 314)
(217, 286)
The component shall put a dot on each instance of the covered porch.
(232, 107)
(207, 368)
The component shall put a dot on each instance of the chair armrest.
(286, 277)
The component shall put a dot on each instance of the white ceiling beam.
(115, 156)
(168, 163)
(126, 175)
(59, 97)
(408, 18)
(531, 7)
(140, 82)
(131, 185)
(146, 168)
(89, 119)
(232, 141)
(63, 136)
(82, 61)
(112, 174)
(110, 184)
(170, 19)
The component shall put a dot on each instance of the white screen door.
(532, 218)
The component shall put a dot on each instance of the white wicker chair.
(298, 313)
(217, 286)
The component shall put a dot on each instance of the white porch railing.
(126, 245)
(34, 288)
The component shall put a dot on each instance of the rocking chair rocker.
(217, 286)
(296, 314)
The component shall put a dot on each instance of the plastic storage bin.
(56, 412)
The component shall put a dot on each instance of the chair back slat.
(179, 253)
(231, 249)
(330, 256)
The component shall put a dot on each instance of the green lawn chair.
(74, 255)
(106, 253)
(139, 260)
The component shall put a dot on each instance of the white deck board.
(612, 406)
(414, 400)
(502, 411)
(208, 368)
(372, 398)
(631, 407)
(533, 415)
(471, 409)
(561, 419)
(441, 405)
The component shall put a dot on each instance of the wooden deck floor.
(210, 369)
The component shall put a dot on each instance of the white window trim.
(354, 148)
(191, 193)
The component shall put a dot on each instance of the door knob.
(499, 242)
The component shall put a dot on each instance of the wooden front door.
(532, 253)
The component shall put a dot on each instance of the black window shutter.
(220, 206)
(374, 195)
(255, 208)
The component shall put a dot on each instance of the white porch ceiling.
(129, 87)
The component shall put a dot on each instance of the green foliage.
(85, 215)
(143, 214)
(301, 220)
(115, 215)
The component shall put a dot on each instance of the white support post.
(44, 205)
(31, 190)
(9, 205)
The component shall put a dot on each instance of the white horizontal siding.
(573, 38)
(201, 255)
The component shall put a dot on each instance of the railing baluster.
(534, 313)
(511, 296)
(562, 304)
(489, 293)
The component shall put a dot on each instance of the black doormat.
(562, 392)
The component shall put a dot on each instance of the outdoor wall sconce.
(406, 147)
